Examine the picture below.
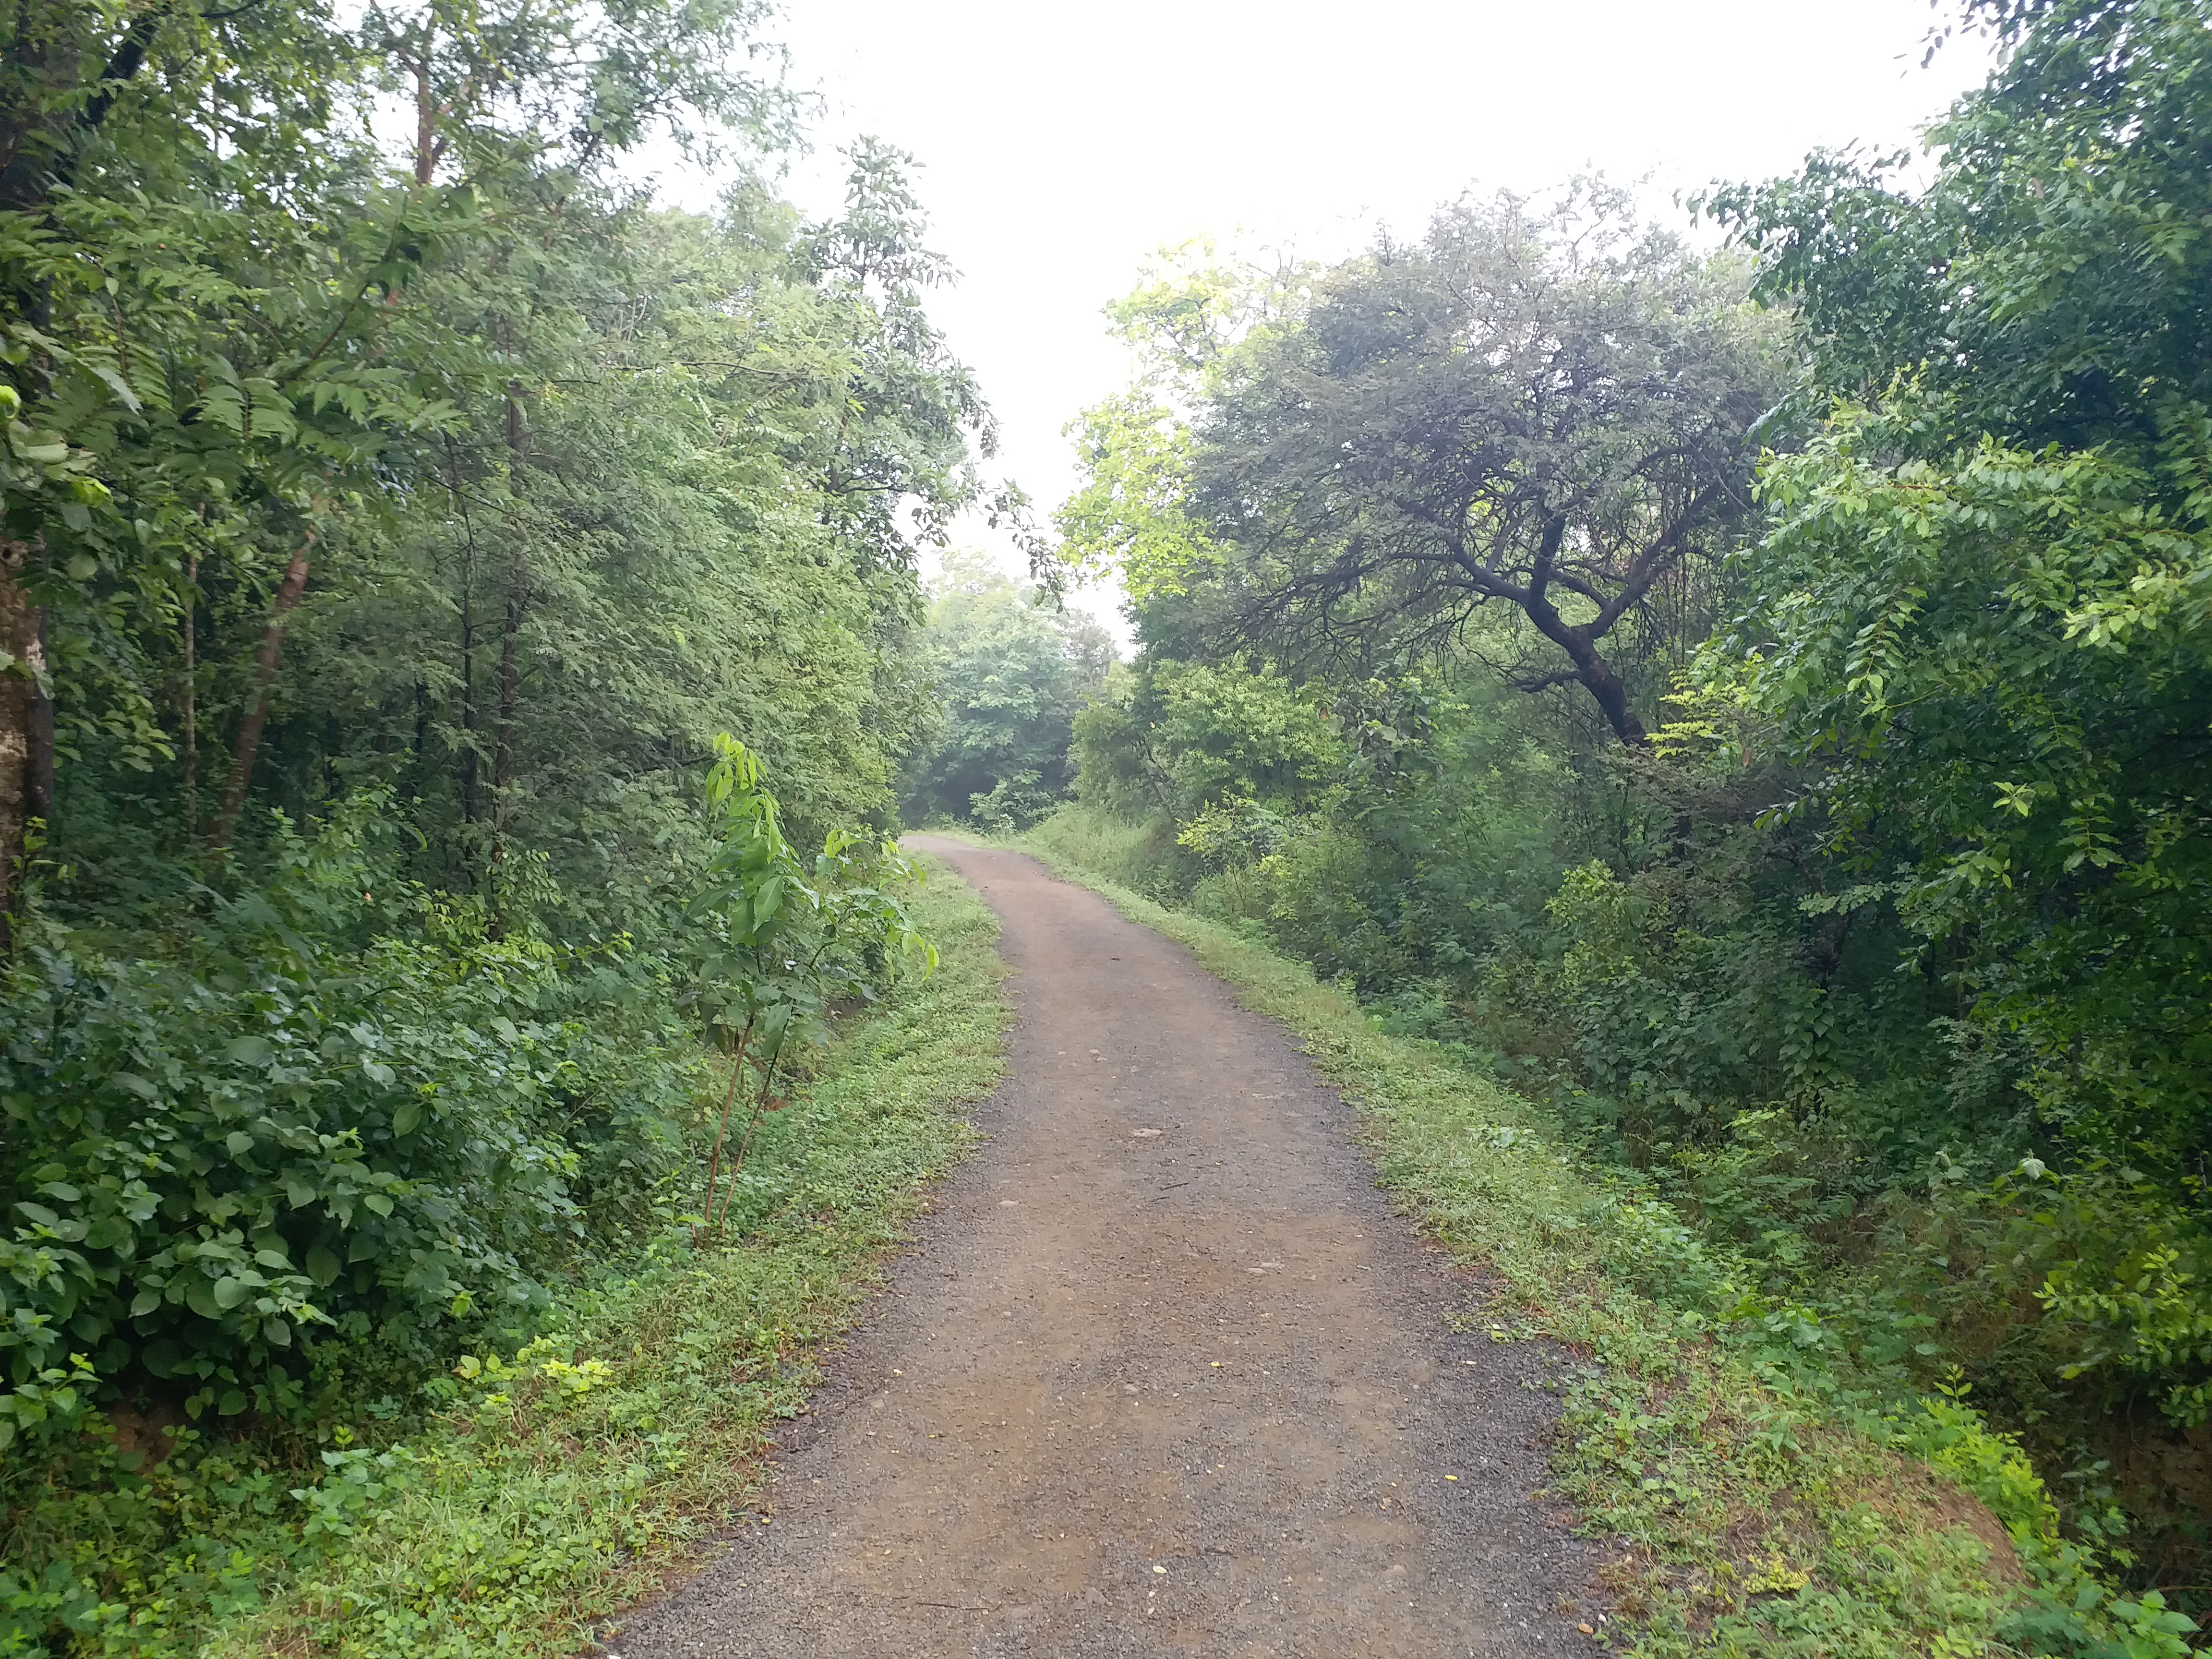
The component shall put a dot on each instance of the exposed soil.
(1163, 1374)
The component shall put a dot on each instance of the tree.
(1555, 413)
(331, 466)
(1011, 671)
(137, 206)
(1979, 632)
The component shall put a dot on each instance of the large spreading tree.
(1556, 415)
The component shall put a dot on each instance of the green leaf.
(407, 1116)
(118, 385)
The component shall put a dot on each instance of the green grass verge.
(560, 1487)
(1749, 1502)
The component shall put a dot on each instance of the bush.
(340, 1109)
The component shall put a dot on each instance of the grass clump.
(1756, 1495)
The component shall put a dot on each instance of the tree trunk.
(1579, 642)
(265, 674)
(516, 602)
(510, 698)
(41, 796)
(40, 162)
(188, 701)
(468, 696)
(23, 791)
(1598, 679)
(427, 148)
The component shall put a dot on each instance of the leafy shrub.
(1013, 803)
(779, 942)
(341, 1115)
(286, 1162)
(339, 1108)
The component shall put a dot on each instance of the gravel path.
(1164, 1374)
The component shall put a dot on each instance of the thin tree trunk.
(427, 148)
(188, 703)
(257, 716)
(41, 797)
(510, 698)
(502, 765)
(21, 805)
(517, 603)
(721, 1131)
(468, 755)
(469, 695)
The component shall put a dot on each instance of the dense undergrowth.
(576, 1450)
(1761, 1494)
(395, 519)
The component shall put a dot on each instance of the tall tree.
(1558, 414)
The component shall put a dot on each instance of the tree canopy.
(1556, 413)
(1012, 669)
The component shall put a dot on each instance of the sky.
(1060, 145)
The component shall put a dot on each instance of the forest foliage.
(1010, 667)
(462, 647)
(461, 635)
(1755, 697)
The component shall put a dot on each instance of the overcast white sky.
(1061, 144)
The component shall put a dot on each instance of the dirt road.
(1164, 1375)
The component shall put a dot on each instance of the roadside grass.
(1753, 1496)
(556, 1488)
